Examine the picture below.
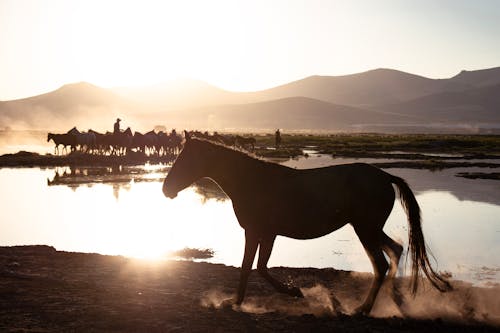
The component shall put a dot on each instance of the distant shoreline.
(415, 151)
(30, 159)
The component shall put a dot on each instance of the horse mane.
(236, 151)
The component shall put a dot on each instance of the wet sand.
(44, 290)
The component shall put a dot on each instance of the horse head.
(128, 131)
(73, 131)
(187, 168)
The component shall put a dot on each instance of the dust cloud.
(317, 301)
(466, 303)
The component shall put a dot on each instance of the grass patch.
(191, 253)
(371, 144)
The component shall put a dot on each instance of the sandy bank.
(42, 289)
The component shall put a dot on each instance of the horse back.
(310, 203)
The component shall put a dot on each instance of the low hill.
(477, 105)
(179, 94)
(80, 104)
(295, 113)
(478, 78)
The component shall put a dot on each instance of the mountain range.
(376, 99)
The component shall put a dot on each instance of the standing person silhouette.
(116, 128)
(277, 138)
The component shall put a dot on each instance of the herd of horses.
(121, 143)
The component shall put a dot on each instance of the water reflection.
(76, 176)
(73, 177)
(121, 178)
(74, 209)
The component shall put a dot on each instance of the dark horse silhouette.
(270, 199)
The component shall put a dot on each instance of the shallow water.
(123, 211)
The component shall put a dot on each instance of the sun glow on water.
(132, 219)
(145, 224)
(135, 219)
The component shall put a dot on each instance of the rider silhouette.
(277, 139)
(116, 128)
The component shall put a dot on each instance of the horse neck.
(226, 168)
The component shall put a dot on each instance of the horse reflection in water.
(270, 200)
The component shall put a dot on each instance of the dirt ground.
(44, 290)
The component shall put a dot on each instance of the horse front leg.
(251, 243)
(266, 246)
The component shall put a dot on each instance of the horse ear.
(187, 135)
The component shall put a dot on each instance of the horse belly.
(308, 223)
(300, 217)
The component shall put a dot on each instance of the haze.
(236, 45)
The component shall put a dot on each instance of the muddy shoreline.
(30, 159)
(47, 290)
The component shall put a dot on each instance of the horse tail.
(417, 246)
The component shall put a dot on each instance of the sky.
(237, 45)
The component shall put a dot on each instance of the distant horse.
(163, 146)
(168, 143)
(123, 141)
(86, 141)
(270, 199)
(119, 142)
(145, 143)
(62, 139)
(244, 142)
(175, 142)
(100, 142)
(152, 143)
(227, 140)
(138, 142)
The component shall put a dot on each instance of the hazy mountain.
(179, 94)
(79, 104)
(294, 113)
(478, 78)
(476, 105)
(377, 97)
(364, 90)
(378, 86)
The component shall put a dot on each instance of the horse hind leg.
(265, 248)
(394, 250)
(372, 243)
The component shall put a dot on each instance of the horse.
(175, 142)
(152, 142)
(86, 141)
(100, 142)
(227, 140)
(62, 139)
(163, 145)
(138, 142)
(271, 199)
(123, 140)
(119, 142)
(243, 142)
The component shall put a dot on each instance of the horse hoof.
(295, 292)
(360, 311)
(228, 303)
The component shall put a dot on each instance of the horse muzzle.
(168, 192)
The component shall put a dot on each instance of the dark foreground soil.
(44, 290)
